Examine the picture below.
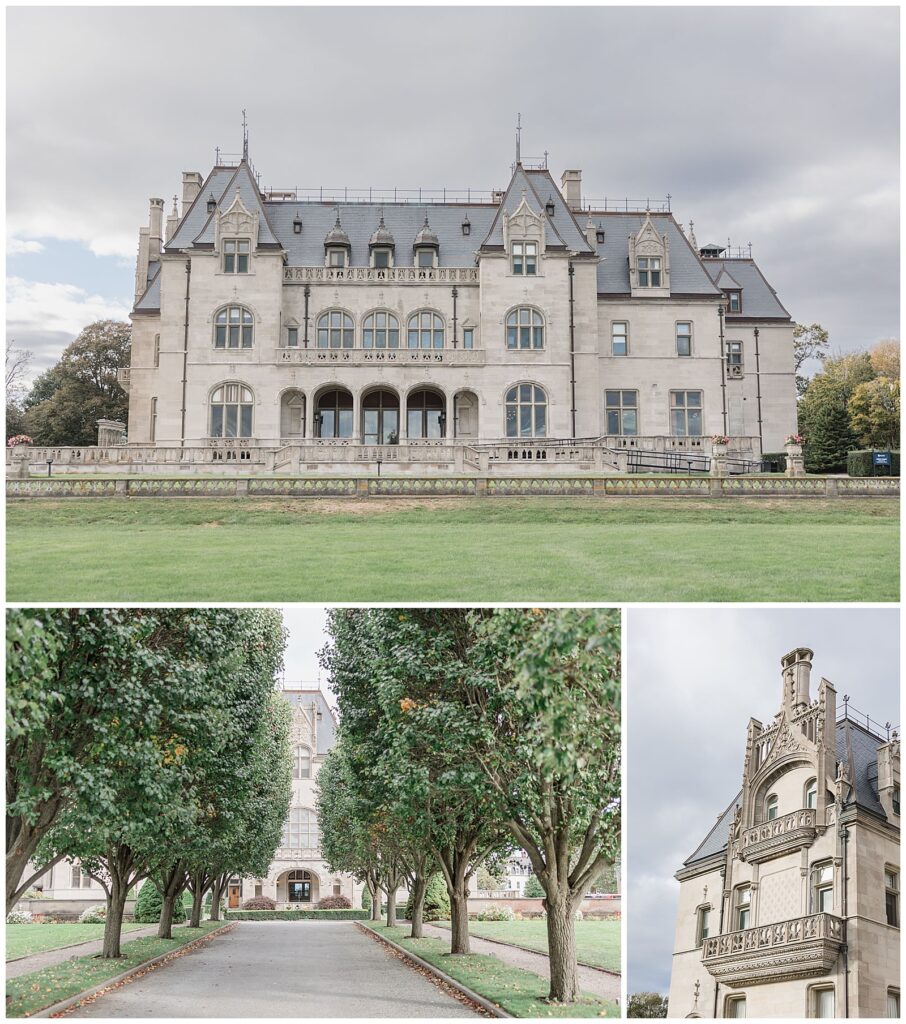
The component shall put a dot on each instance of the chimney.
(172, 221)
(797, 667)
(141, 263)
(571, 187)
(155, 225)
(191, 186)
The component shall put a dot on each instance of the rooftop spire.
(245, 136)
(519, 138)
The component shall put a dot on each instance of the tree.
(647, 1004)
(809, 342)
(825, 424)
(18, 361)
(533, 887)
(66, 401)
(874, 412)
(489, 882)
(885, 359)
(149, 903)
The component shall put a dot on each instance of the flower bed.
(297, 915)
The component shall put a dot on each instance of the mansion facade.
(269, 318)
(790, 906)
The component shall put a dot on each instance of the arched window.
(380, 330)
(770, 808)
(811, 793)
(302, 763)
(301, 829)
(234, 327)
(335, 329)
(524, 328)
(425, 414)
(526, 411)
(334, 414)
(231, 411)
(381, 418)
(426, 330)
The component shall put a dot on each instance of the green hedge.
(773, 462)
(297, 915)
(860, 463)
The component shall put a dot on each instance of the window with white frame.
(735, 1006)
(234, 327)
(683, 338)
(301, 829)
(823, 887)
(770, 807)
(742, 911)
(302, 763)
(686, 413)
(622, 410)
(231, 411)
(525, 258)
(292, 337)
(619, 338)
(468, 337)
(735, 300)
(425, 258)
(380, 330)
(524, 328)
(335, 330)
(79, 878)
(734, 357)
(649, 271)
(236, 256)
(893, 1003)
(702, 925)
(425, 330)
(381, 258)
(892, 895)
(336, 257)
(526, 411)
(811, 794)
(821, 1001)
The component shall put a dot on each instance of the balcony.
(805, 947)
(786, 834)
(381, 356)
(380, 275)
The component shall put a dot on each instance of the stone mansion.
(279, 319)
(790, 906)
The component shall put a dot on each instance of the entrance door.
(233, 897)
(299, 892)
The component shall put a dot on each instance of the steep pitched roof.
(194, 218)
(149, 302)
(243, 185)
(759, 298)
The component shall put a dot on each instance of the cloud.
(22, 246)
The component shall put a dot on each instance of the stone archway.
(298, 887)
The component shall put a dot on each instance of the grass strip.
(27, 939)
(521, 993)
(30, 993)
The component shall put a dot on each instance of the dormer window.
(549, 207)
(380, 258)
(381, 246)
(649, 272)
(424, 258)
(337, 246)
(212, 204)
(466, 226)
(236, 256)
(525, 258)
(297, 225)
(735, 302)
(426, 247)
(336, 257)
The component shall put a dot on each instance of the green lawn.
(597, 942)
(521, 993)
(31, 992)
(493, 549)
(24, 939)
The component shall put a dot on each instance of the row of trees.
(465, 734)
(854, 401)
(64, 403)
(148, 744)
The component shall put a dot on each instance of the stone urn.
(793, 450)
(17, 462)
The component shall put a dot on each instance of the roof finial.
(245, 136)
(692, 240)
(519, 138)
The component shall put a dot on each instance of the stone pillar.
(795, 462)
(718, 459)
(17, 462)
(449, 421)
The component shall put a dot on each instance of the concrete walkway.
(282, 969)
(27, 964)
(599, 983)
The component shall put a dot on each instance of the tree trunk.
(561, 946)
(198, 891)
(391, 906)
(459, 920)
(419, 886)
(116, 906)
(172, 889)
(165, 927)
(216, 892)
(375, 902)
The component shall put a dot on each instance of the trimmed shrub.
(334, 903)
(578, 915)
(861, 463)
(94, 915)
(495, 913)
(19, 917)
(150, 901)
(773, 462)
(296, 915)
(366, 899)
(259, 903)
(533, 887)
(437, 901)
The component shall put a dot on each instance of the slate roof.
(758, 298)
(865, 776)
(149, 302)
(194, 220)
(327, 724)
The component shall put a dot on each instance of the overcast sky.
(307, 628)
(775, 126)
(694, 678)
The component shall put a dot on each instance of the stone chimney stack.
(155, 227)
(571, 187)
(172, 221)
(797, 668)
(191, 186)
(141, 263)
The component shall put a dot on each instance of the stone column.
(449, 422)
(718, 459)
(17, 462)
(795, 462)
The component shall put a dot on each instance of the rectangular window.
(425, 258)
(382, 258)
(686, 413)
(823, 888)
(157, 350)
(649, 272)
(336, 258)
(703, 927)
(734, 356)
(621, 408)
(292, 337)
(736, 1006)
(735, 301)
(743, 907)
(525, 258)
(892, 896)
(153, 426)
(468, 337)
(619, 338)
(683, 338)
(893, 1003)
(236, 256)
(896, 799)
(822, 1002)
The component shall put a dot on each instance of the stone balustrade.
(803, 947)
(782, 835)
(381, 275)
(380, 356)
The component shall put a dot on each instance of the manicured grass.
(24, 939)
(32, 992)
(521, 993)
(597, 942)
(494, 549)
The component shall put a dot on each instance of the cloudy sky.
(695, 677)
(307, 635)
(773, 126)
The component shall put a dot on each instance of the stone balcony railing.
(291, 853)
(804, 947)
(785, 834)
(380, 356)
(380, 275)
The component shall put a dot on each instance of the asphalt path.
(282, 969)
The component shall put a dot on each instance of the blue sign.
(881, 458)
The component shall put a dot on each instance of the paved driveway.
(282, 969)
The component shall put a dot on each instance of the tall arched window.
(231, 411)
(333, 417)
(425, 414)
(381, 418)
(770, 808)
(302, 763)
(426, 330)
(234, 327)
(335, 329)
(811, 793)
(298, 886)
(301, 829)
(526, 411)
(524, 328)
(380, 330)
